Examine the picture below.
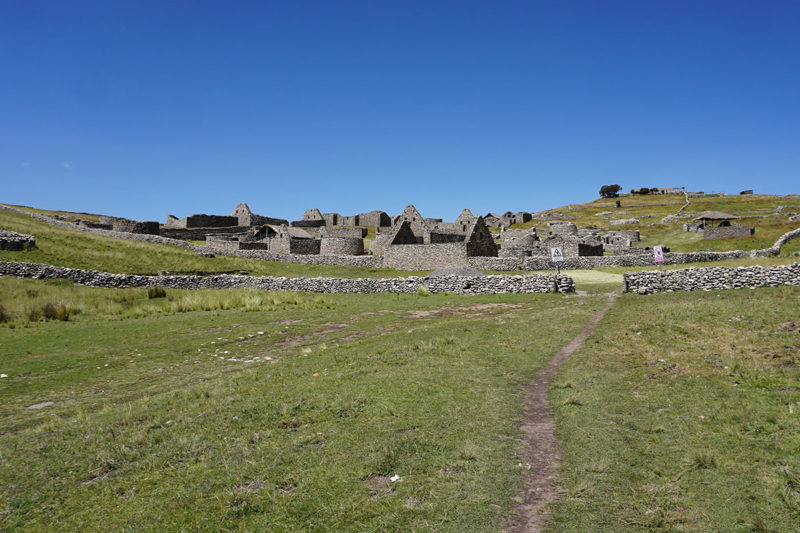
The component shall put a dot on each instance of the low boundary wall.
(711, 278)
(537, 283)
(11, 240)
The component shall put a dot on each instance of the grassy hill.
(754, 210)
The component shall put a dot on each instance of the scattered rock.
(41, 405)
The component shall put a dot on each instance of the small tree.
(610, 191)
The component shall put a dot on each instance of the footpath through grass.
(682, 413)
(77, 249)
(290, 416)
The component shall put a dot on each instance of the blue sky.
(141, 109)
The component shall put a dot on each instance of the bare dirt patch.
(379, 485)
(541, 448)
(302, 339)
(445, 311)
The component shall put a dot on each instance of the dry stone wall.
(538, 283)
(711, 278)
(11, 240)
(727, 232)
(424, 256)
(341, 246)
(133, 226)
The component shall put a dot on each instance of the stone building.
(247, 218)
(724, 229)
(415, 220)
(202, 221)
(377, 219)
(492, 220)
(405, 251)
(313, 214)
(331, 219)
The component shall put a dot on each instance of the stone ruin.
(417, 243)
(17, 242)
(507, 219)
(406, 241)
(519, 243)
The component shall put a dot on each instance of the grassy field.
(78, 249)
(289, 416)
(682, 413)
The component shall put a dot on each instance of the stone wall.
(220, 243)
(331, 219)
(133, 226)
(315, 223)
(374, 219)
(630, 234)
(304, 246)
(727, 232)
(711, 278)
(345, 233)
(209, 221)
(341, 246)
(495, 263)
(424, 256)
(11, 240)
(538, 283)
(199, 234)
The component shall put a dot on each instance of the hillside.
(769, 214)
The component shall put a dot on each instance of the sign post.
(658, 256)
(557, 256)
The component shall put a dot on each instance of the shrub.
(422, 290)
(5, 316)
(156, 292)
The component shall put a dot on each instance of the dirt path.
(541, 449)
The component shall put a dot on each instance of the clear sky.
(141, 109)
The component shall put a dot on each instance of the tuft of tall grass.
(156, 292)
(49, 311)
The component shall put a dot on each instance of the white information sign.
(658, 254)
(556, 254)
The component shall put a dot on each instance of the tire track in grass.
(541, 448)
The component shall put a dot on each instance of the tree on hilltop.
(610, 191)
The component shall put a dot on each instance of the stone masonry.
(11, 240)
(711, 278)
(537, 283)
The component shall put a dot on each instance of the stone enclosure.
(11, 240)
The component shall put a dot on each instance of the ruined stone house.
(405, 251)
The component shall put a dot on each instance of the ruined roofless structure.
(248, 219)
(405, 251)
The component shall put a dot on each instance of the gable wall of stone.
(424, 256)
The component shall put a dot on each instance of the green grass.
(78, 249)
(67, 214)
(158, 422)
(682, 413)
